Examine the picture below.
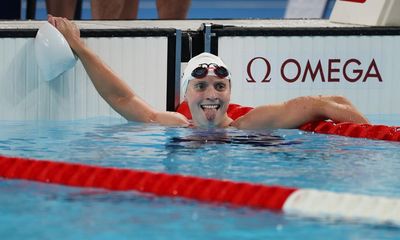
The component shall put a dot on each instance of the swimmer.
(207, 90)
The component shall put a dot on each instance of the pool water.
(294, 158)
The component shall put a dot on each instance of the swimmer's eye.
(220, 87)
(200, 86)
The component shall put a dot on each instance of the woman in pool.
(207, 89)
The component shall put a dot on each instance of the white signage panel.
(274, 69)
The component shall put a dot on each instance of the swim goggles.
(202, 70)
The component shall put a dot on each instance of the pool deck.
(188, 25)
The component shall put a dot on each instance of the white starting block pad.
(367, 12)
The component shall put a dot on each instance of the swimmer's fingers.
(66, 27)
(69, 27)
(57, 22)
(51, 20)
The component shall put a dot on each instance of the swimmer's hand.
(68, 29)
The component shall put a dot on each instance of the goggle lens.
(202, 71)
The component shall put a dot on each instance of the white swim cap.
(53, 54)
(203, 58)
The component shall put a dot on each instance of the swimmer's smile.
(210, 110)
(210, 106)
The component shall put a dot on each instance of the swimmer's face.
(208, 99)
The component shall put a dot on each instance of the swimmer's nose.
(211, 93)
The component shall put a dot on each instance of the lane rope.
(302, 202)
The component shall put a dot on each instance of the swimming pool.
(281, 157)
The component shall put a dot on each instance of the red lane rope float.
(376, 132)
(303, 202)
(161, 184)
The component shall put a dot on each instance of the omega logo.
(331, 70)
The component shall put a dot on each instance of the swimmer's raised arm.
(298, 111)
(113, 89)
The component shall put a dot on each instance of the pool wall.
(24, 95)
(271, 61)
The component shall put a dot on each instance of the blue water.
(285, 157)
